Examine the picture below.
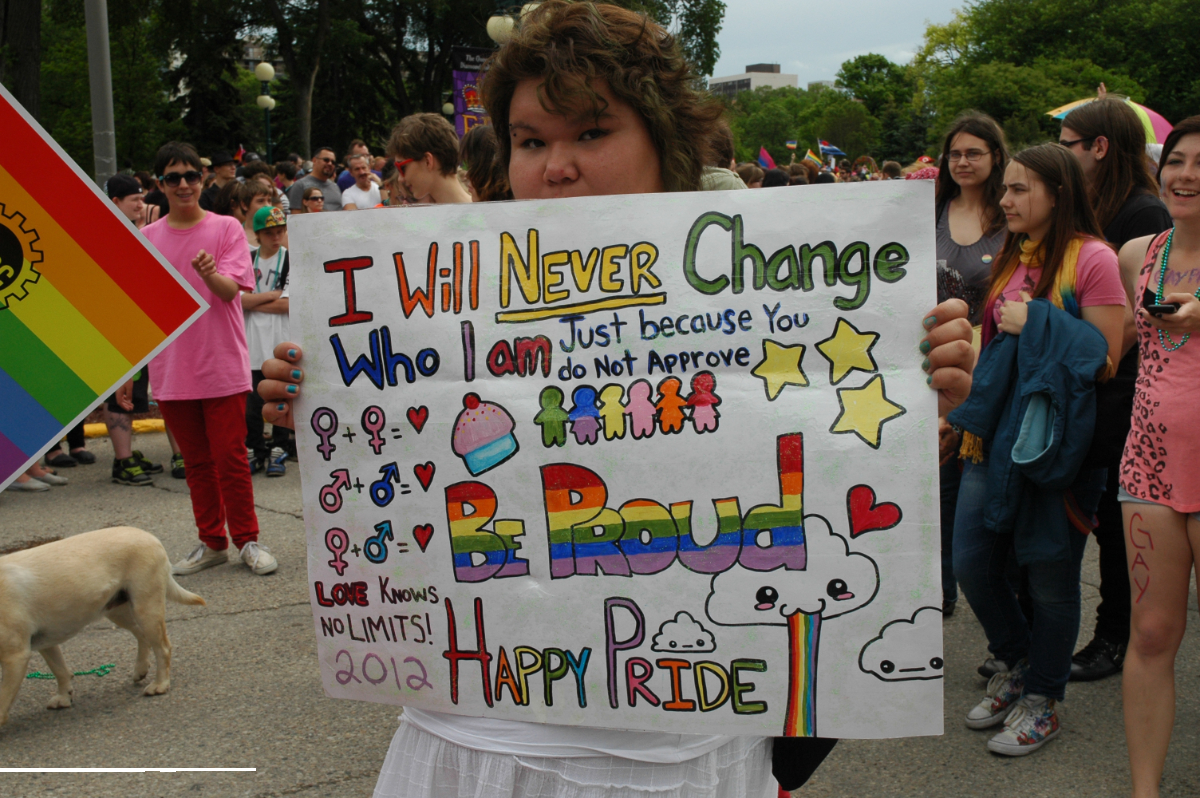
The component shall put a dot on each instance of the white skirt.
(422, 765)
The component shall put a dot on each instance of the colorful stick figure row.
(591, 413)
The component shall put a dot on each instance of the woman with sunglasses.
(424, 148)
(1160, 484)
(313, 201)
(596, 100)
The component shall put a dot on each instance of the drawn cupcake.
(483, 435)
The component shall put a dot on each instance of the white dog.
(51, 592)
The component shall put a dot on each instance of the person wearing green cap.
(266, 312)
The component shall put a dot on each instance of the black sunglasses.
(191, 176)
(1069, 144)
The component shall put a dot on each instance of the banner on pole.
(468, 107)
(85, 300)
(636, 462)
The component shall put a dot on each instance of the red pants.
(212, 438)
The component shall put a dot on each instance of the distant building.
(254, 51)
(756, 75)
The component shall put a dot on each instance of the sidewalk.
(246, 692)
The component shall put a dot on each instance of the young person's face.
(271, 238)
(226, 171)
(1027, 203)
(186, 195)
(554, 155)
(133, 206)
(315, 203)
(256, 202)
(1180, 178)
(964, 171)
(420, 174)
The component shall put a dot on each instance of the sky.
(812, 39)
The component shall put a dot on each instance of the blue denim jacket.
(1033, 402)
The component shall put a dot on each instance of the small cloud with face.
(834, 581)
(683, 634)
(906, 648)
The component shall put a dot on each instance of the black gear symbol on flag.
(18, 253)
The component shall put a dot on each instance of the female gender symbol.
(337, 541)
(373, 421)
(325, 432)
(375, 548)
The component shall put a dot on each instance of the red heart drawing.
(866, 515)
(424, 474)
(423, 533)
(417, 416)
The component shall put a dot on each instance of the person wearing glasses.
(1108, 140)
(313, 201)
(324, 168)
(202, 378)
(424, 148)
(970, 232)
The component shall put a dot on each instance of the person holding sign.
(596, 100)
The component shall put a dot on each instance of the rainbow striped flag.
(810, 156)
(85, 301)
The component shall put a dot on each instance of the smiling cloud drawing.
(684, 633)
(906, 649)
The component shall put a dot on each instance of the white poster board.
(662, 462)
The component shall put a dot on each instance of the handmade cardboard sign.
(662, 462)
(85, 301)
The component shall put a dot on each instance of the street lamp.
(501, 24)
(266, 73)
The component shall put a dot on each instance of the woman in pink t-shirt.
(1160, 484)
(1053, 251)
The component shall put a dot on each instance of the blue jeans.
(980, 560)
(950, 476)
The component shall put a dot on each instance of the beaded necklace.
(1164, 337)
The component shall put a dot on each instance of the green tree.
(894, 96)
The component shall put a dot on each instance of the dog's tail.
(179, 595)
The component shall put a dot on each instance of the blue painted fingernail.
(292, 389)
(930, 322)
(291, 353)
(281, 407)
(295, 374)
(929, 380)
(925, 347)
(925, 365)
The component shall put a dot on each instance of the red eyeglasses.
(401, 164)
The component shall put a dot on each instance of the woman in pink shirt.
(1160, 484)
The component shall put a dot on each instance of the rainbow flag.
(810, 156)
(85, 301)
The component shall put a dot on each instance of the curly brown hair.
(570, 46)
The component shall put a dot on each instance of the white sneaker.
(258, 558)
(1032, 723)
(1003, 690)
(53, 479)
(30, 484)
(201, 557)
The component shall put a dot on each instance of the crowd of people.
(1070, 269)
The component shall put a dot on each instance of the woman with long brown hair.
(1108, 139)
(970, 231)
(1055, 271)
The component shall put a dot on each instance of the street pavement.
(246, 691)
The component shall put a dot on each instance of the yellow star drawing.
(780, 366)
(864, 410)
(848, 349)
